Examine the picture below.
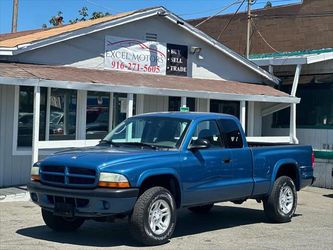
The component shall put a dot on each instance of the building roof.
(127, 82)
(293, 58)
(32, 40)
(20, 38)
(293, 27)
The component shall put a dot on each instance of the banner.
(126, 54)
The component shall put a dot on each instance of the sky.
(34, 13)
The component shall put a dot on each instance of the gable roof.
(32, 40)
(41, 34)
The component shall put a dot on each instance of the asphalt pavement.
(227, 226)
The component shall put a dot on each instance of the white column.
(35, 126)
(81, 115)
(140, 100)
(250, 119)
(208, 105)
(292, 127)
(292, 131)
(48, 113)
(111, 112)
(242, 113)
(129, 112)
(183, 101)
(270, 69)
(296, 79)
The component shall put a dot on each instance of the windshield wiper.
(108, 143)
(140, 144)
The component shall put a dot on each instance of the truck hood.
(103, 156)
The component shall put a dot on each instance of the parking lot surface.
(227, 226)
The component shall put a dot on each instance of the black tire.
(201, 209)
(61, 224)
(273, 210)
(139, 219)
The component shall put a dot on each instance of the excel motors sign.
(134, 55)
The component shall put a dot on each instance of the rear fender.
(278, 165)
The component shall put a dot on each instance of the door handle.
(227, 160)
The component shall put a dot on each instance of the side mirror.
(199, 144)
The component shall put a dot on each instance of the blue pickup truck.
(150, 165)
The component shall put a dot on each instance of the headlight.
(113, 180)
(35, 173)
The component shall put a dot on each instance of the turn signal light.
(35, 177)
(113, 184)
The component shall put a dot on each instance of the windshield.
(149, 131)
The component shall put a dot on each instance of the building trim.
(146, 90)
(293, 60)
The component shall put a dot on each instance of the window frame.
(222, 146)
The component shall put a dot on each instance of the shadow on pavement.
(117, 234)
(328, 195)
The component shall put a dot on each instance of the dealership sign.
(133, 55)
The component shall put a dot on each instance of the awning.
(128, 82)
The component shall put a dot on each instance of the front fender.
(158, 171)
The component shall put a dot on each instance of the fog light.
(34, 197)
(106, 205)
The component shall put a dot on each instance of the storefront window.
(62, 114)
(25, 116)
(226, 107)
(175, 103)
(97, 125)
(315, 109)
(120, 108)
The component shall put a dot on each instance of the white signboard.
(133, 55)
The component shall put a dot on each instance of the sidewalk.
(19, 193)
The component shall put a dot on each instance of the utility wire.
(220, 11)
(232, 17)
(262, 37)
(103, 7)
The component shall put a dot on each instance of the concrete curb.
(15, 197)
(14, 194)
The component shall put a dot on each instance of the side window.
(208, 130)
(232, 133)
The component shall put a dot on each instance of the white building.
(68, 86)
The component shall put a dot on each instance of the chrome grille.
(68, 176)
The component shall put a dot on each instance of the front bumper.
(86, 202)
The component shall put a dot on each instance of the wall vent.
(151, 37)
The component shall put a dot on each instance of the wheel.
(201, 209)
(62, 224)
(153, 219)
(281, 204)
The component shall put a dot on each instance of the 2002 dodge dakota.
(150, 165)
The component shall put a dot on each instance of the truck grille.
(68, 176)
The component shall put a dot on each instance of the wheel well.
(167, 181)
(291, 171)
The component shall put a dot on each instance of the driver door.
(204, 170)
